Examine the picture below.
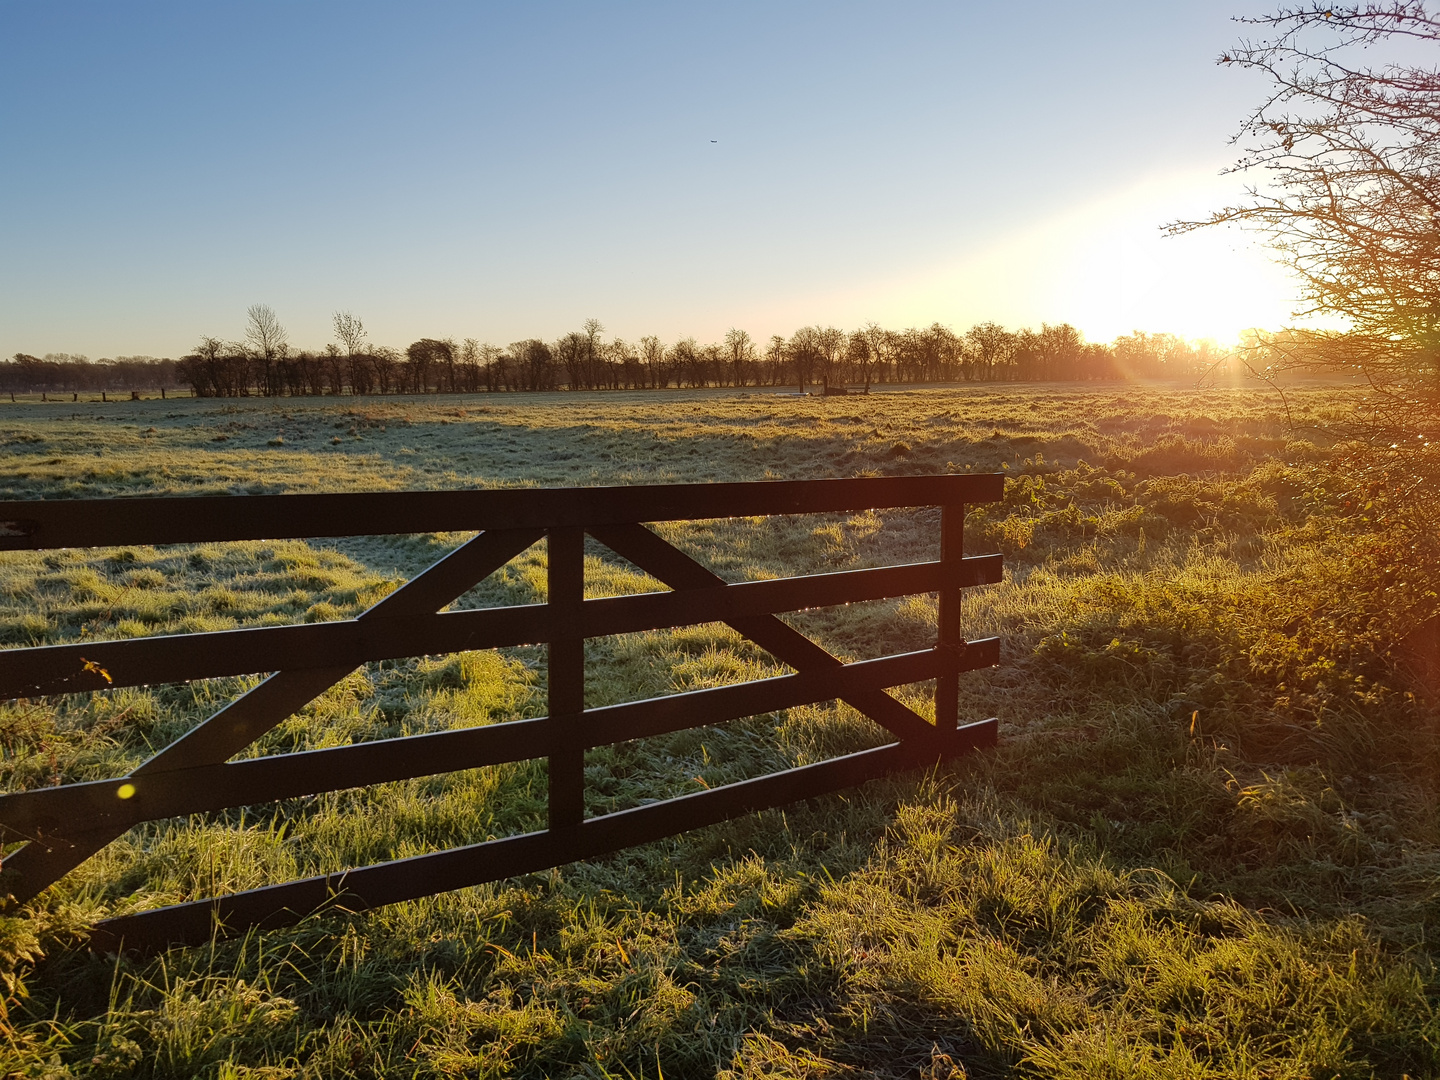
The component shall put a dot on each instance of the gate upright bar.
(566, 676)
(947, 618)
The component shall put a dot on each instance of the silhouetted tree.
(350, 331)
(269, 343)
(805, 354)
(1058, 350)
(426, 356)
(991, 349)
(622, 365)
(570, 352)
(384, 364)
(652, 355)
(684, 357)
(533, 364)
(882, 348)
(777, 355)
(829, 346)
(1351, 149)
(592, 358)
(739, 354)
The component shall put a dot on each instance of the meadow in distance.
(1205, 847)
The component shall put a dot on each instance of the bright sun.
(1106, 267)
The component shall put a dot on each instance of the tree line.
(263, 363)
(70, 373)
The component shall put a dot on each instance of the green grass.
(1206, 847)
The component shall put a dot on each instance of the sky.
(506, 170)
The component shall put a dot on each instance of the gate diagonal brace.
(47, 858)
(668, 564)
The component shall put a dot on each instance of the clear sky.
(501, 171)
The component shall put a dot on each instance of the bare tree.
(570, 351)
(468, 365)
(776, 354)
(334, 368)
(857, 357)
(491, 363)
(652, 354)
(350, 331)
(829, 344)
(426, 355)
(1348, 138)
(533, 363)
(684, 358)
(1350, 150)
(210, 371)
(712, 364)
(739, 352)
(1157, 355)
(269, 343)
(806, 350)
(945, 353)
(882, 344)
(991, 348)
(264, 332)
(447, 358)
(383, 364)
(592, 329)
(622, 366)
(1059, 350)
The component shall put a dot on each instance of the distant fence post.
(565, 553)
(950, 643)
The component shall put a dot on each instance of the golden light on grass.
(1104, 873)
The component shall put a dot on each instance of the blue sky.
(508, 170)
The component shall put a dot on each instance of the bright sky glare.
(501, 171)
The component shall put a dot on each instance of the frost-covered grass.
(1206, 846)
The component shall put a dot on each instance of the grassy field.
(1206, 847)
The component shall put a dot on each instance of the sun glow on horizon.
(1106, 267)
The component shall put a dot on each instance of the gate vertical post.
(565, 554)
(950, 643)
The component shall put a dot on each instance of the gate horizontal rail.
(62, 826)
(201, 518)
(62, 669)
